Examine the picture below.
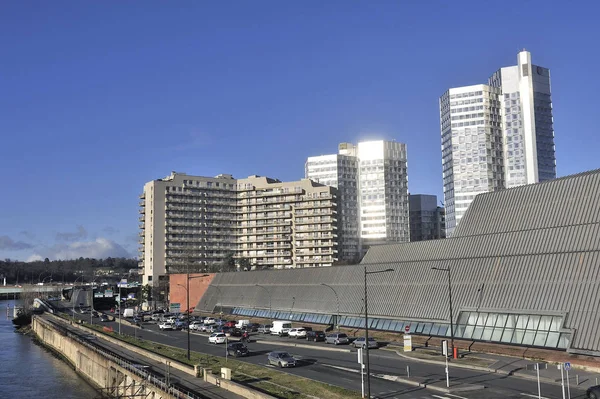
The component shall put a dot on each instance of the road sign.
(568, 366)
(445, 348)
(408, 343)
(407, 329)
(174, 308)
(537, 366)
(360, 356)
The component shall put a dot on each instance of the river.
(28, 370)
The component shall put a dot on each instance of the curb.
(416, 384)
(303, 346)
(464, 366)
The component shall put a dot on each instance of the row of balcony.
(315, 244)
(200, 239)
(315, 253)
(313, 220)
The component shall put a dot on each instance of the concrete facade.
(197, 222)
(372, 182)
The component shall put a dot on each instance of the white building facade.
(496, 136)
(372, 183)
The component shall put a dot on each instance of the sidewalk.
(501, 364)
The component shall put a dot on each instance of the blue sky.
(100, 97)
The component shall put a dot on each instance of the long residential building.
(372, 182)
(201, 221)
(497, 135)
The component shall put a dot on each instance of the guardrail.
(177, 390)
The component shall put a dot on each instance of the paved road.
(341, 368)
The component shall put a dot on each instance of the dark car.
(252, 327)
(307, 328)
(95, 314)
(315, 336)
(104, 317)
(235, 332)
(237, 349)
(593, 392)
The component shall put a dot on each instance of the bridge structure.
(14, 292)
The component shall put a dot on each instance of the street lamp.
(268, 292)
(337, 301)
(450, 302)
(366, 350)
(187, 291)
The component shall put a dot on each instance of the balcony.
(142, 210)
(142, 218)
(314, 245)
(142, 196)
(142, 203)
(314, 220)
(142, 226)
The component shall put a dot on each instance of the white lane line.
(441, 397)
(533, 396)
(456, 396)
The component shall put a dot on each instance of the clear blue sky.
(99, 97)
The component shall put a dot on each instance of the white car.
(210, 320)
(217, 338)
(166, 326)
(194, 325)
(297, 333)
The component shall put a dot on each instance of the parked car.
(337, 339)
(281, 327)
(264, 328)
(180, 324)
(217, 338)
(230, 324)
(103, 318)
(237, 349)
(297, 333)
(95, 314)
(194, 325)
(315, 336)
(307, 328)
(593, 392)
(210, 320)
(235, 332)
(166, 325)
(252, 327)
(360, 343)
(281, 359)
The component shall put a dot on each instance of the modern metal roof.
(534, 249)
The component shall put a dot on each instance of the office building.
(372, 184)
(427, 219)
(496, 136)
(201, 221)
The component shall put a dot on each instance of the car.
(360, 343)
(237, 349)
(252, 327)
(104, 318)
(236, 332)
(315, 336)
(264, 328)
(180, 325)
(165, 325)
(210, 320)
(593, 392)
(297, 333)
(281, 359)
(337, 339)
(230, 324)
(136, 320)
(307, 328)
(217, 338)
(194, 325)
(95, 314)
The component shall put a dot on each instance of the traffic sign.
(568, 366)
(407, 329)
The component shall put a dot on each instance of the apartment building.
(372, 184)
(195, 220)
(496, 135)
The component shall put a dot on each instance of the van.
(128, 313)
(242, 323)
(280, 327)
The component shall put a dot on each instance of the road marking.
(456, 396)
(441, 397)
(533, 396)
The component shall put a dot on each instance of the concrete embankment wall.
(107, 374)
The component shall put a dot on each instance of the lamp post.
(187, 291)
(92, 301)
(268, 292)
(450, 302)
(337, 301)
(120, 299)
(366, 350)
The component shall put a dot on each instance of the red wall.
(198, 286)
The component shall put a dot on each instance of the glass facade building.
(496, 136)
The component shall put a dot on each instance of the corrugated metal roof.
(535, 249)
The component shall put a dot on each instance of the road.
(342, 368)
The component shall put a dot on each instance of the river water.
(27, 370)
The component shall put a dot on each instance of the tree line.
(58, 271)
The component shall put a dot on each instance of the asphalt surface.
(342, 368)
